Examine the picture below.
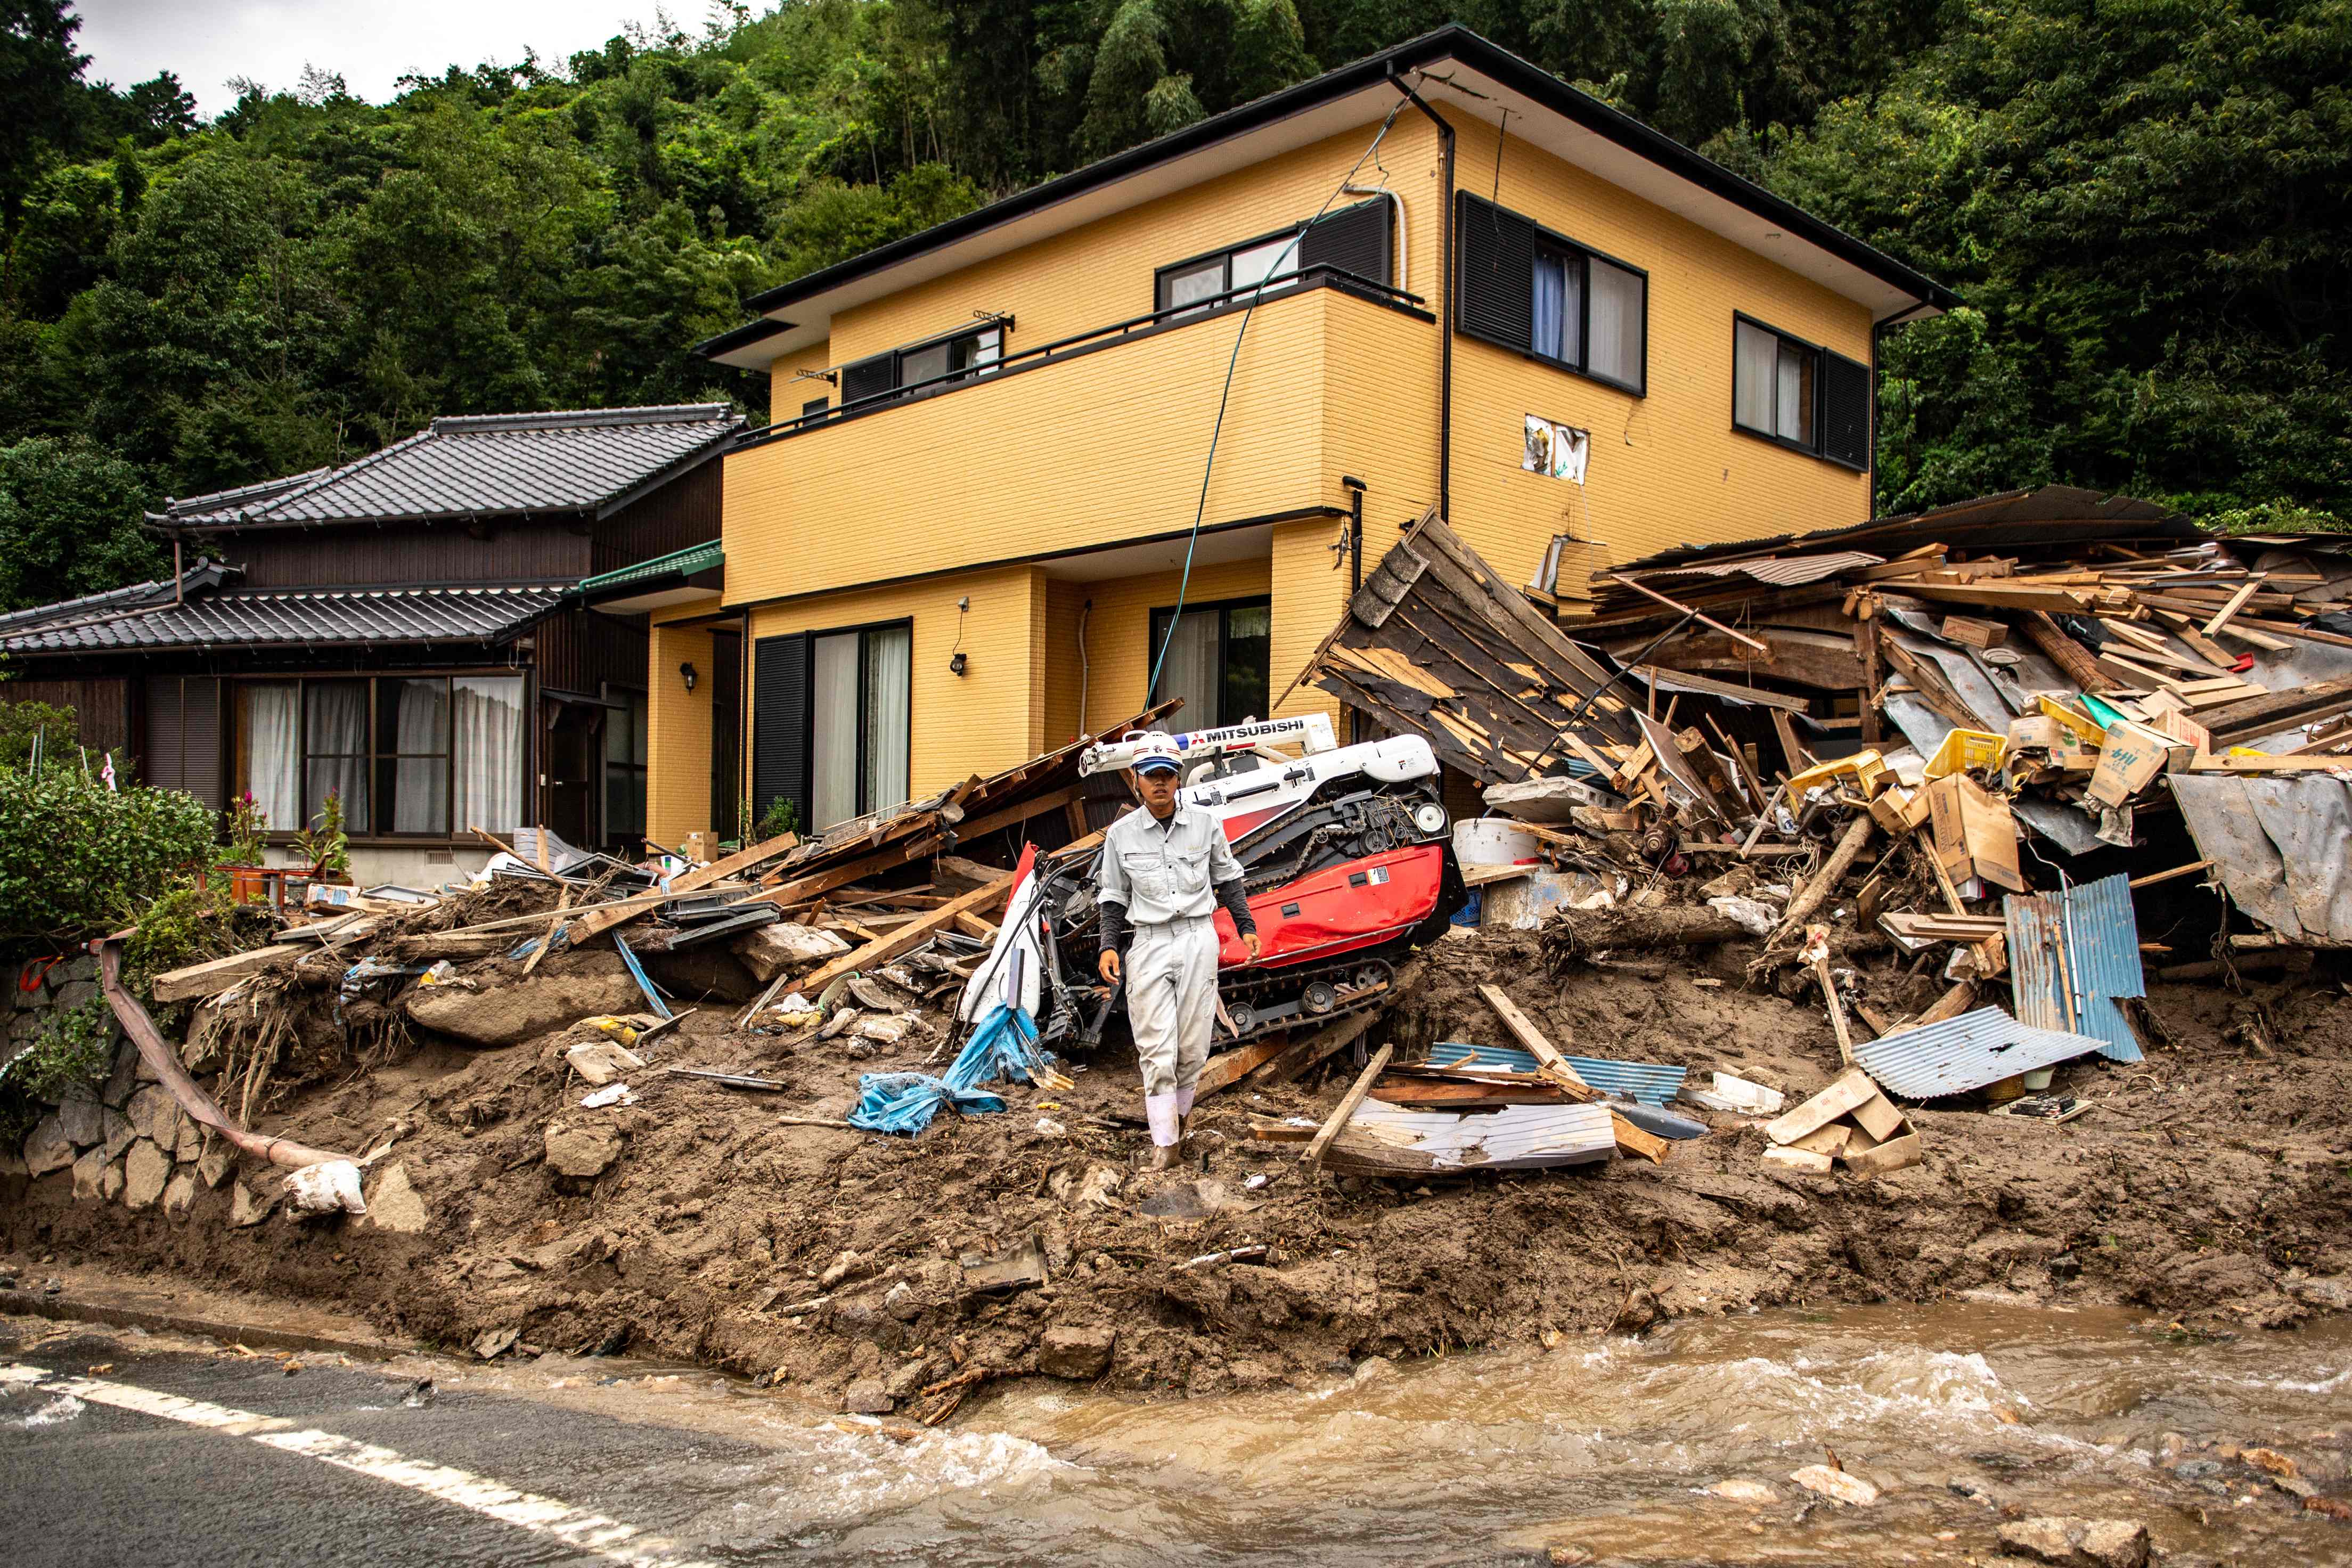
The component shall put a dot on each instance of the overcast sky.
(370, 43)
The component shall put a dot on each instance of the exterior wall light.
(687, 671)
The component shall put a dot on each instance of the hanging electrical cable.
(1209, 468)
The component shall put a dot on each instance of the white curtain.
(1616, 349)
(833, 785)
(889, 659)
(1190, 669)
(337, 748)
(273, 753)
(1755, 353)
(490, 751)
(1796, 394)
(420, 781)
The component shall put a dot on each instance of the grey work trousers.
(1171, 1001)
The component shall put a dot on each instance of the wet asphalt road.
(102, 1485)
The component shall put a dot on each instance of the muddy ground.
(2210, 1187)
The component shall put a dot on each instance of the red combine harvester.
(1348, 860)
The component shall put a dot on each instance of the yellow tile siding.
(987, 719)
(1106, 446)
(1666, 468)
(677, 733)
(1308, 597)
(1117, 665)
(1104, 272)
(787, 389)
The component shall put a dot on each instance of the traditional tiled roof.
(281, 619)
(490, 465)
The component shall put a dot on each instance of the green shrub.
(76, 1046)
(58, 729)
(76, 857)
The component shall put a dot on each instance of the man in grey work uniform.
(1165, 869)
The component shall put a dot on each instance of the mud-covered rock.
(2079, 1543)
(582, 1152)
(868, 1396)
(146, 1170)
(508, 1012)
(47, 1149)
(1079, 1352)
(394, 1205)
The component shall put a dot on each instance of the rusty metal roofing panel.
(1652, 1083)
(1965, 1053)
(2070, 954)
(2054, 514)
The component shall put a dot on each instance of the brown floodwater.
(1957, 1411)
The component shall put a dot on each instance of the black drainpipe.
(1445, 307)
(1877, 331)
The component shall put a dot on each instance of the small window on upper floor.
(924, 366)
(1800, 395)
(1353, 240)
(1525, 288)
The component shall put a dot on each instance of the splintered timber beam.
(1648, 593)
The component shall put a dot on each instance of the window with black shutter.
(1800, 395)
(1355, 239)
(1525, 288)
(923, 366)
(1845, 410)
(780, 726)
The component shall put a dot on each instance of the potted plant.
(326, 848)
(242, 858)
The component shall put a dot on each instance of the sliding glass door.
(859, 700)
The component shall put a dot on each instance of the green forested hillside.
(2144, 204)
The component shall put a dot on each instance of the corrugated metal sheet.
(2053, 514)
(2070, 954)
(1652, 1083)
(1781, 571)
(1965, 1053)
(2278, 844)
(1517, 1137)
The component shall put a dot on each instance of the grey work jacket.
(1165, 871)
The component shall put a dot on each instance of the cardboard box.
(1975, 834)
(2131, 755)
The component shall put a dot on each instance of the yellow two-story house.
(986, 509)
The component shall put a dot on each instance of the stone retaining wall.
(126, 1140)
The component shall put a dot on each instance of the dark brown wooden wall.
(580, 650)
(679, 516)
(101, 706)
(405, 555)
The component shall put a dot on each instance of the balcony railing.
(1317, 277)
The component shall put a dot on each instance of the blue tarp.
(1003, 1045)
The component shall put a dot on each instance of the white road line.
(606, 1538)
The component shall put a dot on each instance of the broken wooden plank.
(1354, 1098)
(605, 916)
(217, 976)
(1534, 1041)
(1849, 1090)
(1228, 1065)
(2237, 602)
(1302, 1055)
(886, 947)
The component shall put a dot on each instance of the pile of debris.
(1939, 736)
